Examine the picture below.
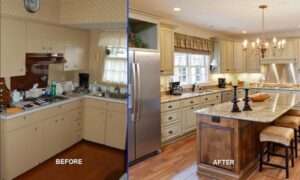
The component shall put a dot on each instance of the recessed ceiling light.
(298, 26)
(244, 32)
(177, 9)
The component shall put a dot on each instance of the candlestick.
(246, 99)
(235, 107)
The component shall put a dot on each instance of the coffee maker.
(221, 82)
(175, 88)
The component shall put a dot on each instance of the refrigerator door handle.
(138, 72)
(134, 94)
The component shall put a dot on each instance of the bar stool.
(289, 121)
(294, 112)
(279, 135)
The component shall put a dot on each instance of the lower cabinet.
(189, 118)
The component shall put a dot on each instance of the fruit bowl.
(259, 97)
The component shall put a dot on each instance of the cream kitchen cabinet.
(189, 118)
(43, 38)
(252, 62)
(223, 55)
(288, 52)
(166, 49)
(23, 150)
(13, 47)
(239, 58)
(65, 130)
(297, 53)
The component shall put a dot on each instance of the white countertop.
(71, 98)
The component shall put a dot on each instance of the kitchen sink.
(117, 95)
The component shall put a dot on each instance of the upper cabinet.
(45, 38)
(297, 53)
(143, 31)
(13, 47)
(166, 49)
(239, 58)
(288, 52)
(223, 55)
(252, 62)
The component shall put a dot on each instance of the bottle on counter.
(53, 89)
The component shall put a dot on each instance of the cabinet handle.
(170, 132)
(66, 66)
(21, 69)
(35, 128)
(192, 102)
(217, 96)
(170, 106)
(161, 70)
(24, 117)
(212, 104)
(44, 47)
(76, 66)
(62, 118)
(192, 107)
(50, 48)
(56, 120)
(170, 118)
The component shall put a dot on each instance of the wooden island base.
(227, 148)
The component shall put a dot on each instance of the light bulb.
(245, 43)
(257, 41)
(253, 45)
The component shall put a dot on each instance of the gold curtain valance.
(191, 43)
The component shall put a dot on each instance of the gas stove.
(30, 103)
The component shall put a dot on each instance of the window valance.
(183, 42)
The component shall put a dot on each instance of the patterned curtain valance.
(191, 43)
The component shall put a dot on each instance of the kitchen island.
(228, 143)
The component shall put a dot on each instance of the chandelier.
(261, 45)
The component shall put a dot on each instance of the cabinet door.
(23, 150)
(94, 125)
(167, 51)
(56, 39)
(69, 50)
(37, 38)
(252, 63)
(239, 59)
(229, 56)
(288, 52)
(226, 56)
(13, 47)
(81, 51)
(50, 136)
(297, 53)
(116, 130)
(65, 131)
(189, 118)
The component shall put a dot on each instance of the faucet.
(194, 86)
(118, 90)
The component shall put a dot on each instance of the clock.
(32, 6)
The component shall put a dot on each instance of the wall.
(49, 10)
(93, 11)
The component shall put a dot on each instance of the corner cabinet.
(13, 47)
(166, 49)
(223, 54)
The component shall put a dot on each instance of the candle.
(246, 85)
(257, 41)
(245, 43)
(234, 81)
(274, 41)
(253, 45)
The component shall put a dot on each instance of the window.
(190, 68)
(115, 70)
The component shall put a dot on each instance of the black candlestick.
(246, 99)
(235, 107)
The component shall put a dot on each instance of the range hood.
(278, 60)
(45, 58)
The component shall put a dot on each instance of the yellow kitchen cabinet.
(239, 58)
(94, 125)
(166, 49)
(43, 38)
(189, 118)
(287, 53)
(23, 150)
(65, 130)
(223, 55)
(116, 130)
(81, 50)
(252, 62)
(13, 47)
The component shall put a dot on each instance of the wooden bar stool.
(295, 112)
(293, 122)
(279, 135)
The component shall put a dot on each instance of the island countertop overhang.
(263, 112)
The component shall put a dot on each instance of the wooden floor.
(178, 162)
(99, 162)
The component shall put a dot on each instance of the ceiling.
(228, 16)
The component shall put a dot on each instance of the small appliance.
(221, 82)
(84, 80)
(175, 88)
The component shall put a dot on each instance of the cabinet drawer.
(21, 121)
(170, 106)
(210, 97)
(70, 106)
(211, 103)
(77, 135)
(190, 102)
(170, 132)
(170, 118)
(116, 107)
(95, 103)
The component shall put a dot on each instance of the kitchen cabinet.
(223, 55)
(239, 59)
(65, 130)
(288, 52)
(297, 53)
(252, 62)
(116, 130)
(23, 149)
(43, 38)
(166, 50)
(13, 47)
(189, 118)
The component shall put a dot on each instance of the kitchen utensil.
(16, 96)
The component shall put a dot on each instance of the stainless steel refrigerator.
(144, 125)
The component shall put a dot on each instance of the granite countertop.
(71, 98)
(169, 98)
(263, 112)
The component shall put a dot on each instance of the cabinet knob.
(170, 132)
(50, 48)
(170, 118)
(24, 117)
(206, 99)
(35, 128)
(62, 118)
(44, 47)
(66, 66)
(75, 66)
(192, 107)
(192, 102)
(170, 106)
(56, 120)
(161, 70)
(21, 69)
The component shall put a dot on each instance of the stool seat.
(280, 135)
(293, 112)
(288, 121)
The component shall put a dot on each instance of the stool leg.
(296, 142)
(292, 153)
(286, 161)
(268, 151)
(261, 156)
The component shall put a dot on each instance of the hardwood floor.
(178, 162)
(99, 162)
